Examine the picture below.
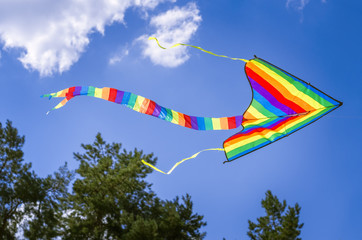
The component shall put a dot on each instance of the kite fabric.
(281, 105)
(149, 107)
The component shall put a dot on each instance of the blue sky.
(46, 47)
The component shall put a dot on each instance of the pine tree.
(112, 200)
(19, 186)
(278, 223)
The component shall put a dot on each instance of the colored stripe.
(105, 93)
(112, 95)
(280, 109)
(119, 97)
(201, 123)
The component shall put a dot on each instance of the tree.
(278, 223)
(112, 200)
(45, 218)
(19, 187)
(28, 204)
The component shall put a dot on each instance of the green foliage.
(46, 216)
(112, 200)
(19, 187)
(278, 223)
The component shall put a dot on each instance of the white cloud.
(173, 26)
(53, 34)
(118, 56)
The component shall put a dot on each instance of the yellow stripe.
(253, 111)
(216, 123)
(253, 122)
(182, 44)
(183, 160)
(290, 87)
(138, 103)
(98, 93)
(174, 117)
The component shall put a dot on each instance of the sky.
(49, 46)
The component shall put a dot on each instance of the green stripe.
(169, 116)
(91, 91)
(132, 100)
(208, 123)
(258, 106)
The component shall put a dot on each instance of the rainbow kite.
(281, 105)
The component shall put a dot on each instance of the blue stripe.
(126, 97)
(163, 113)
(84, 90)
(201, 123)
(267, 105)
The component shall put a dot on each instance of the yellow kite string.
(183, 44)
(183, 160)
(210, 149)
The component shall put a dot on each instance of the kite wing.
(282, 104)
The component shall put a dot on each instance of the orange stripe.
(181, 119)
(144, 105)
(105, 93)
(248, 115)
(63, 93)
(224, 123)
(280, 87)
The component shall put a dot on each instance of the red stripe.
(187, 121)
(69, 94)
(231, 122)
(270, 88)
(151, 107)
(112, 94)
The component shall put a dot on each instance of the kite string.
(188, 45)
(183, 160)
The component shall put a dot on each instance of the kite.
(281, 105)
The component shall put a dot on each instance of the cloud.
(176, 25)
(118, 56)
(52, 35)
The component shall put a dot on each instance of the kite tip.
(46, 95)
(48, 113)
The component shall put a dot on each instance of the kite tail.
(183, 160)
(62, 93)
(188, 45)
(149, 107)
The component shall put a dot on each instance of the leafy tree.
(278, 223)
(112, 200)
